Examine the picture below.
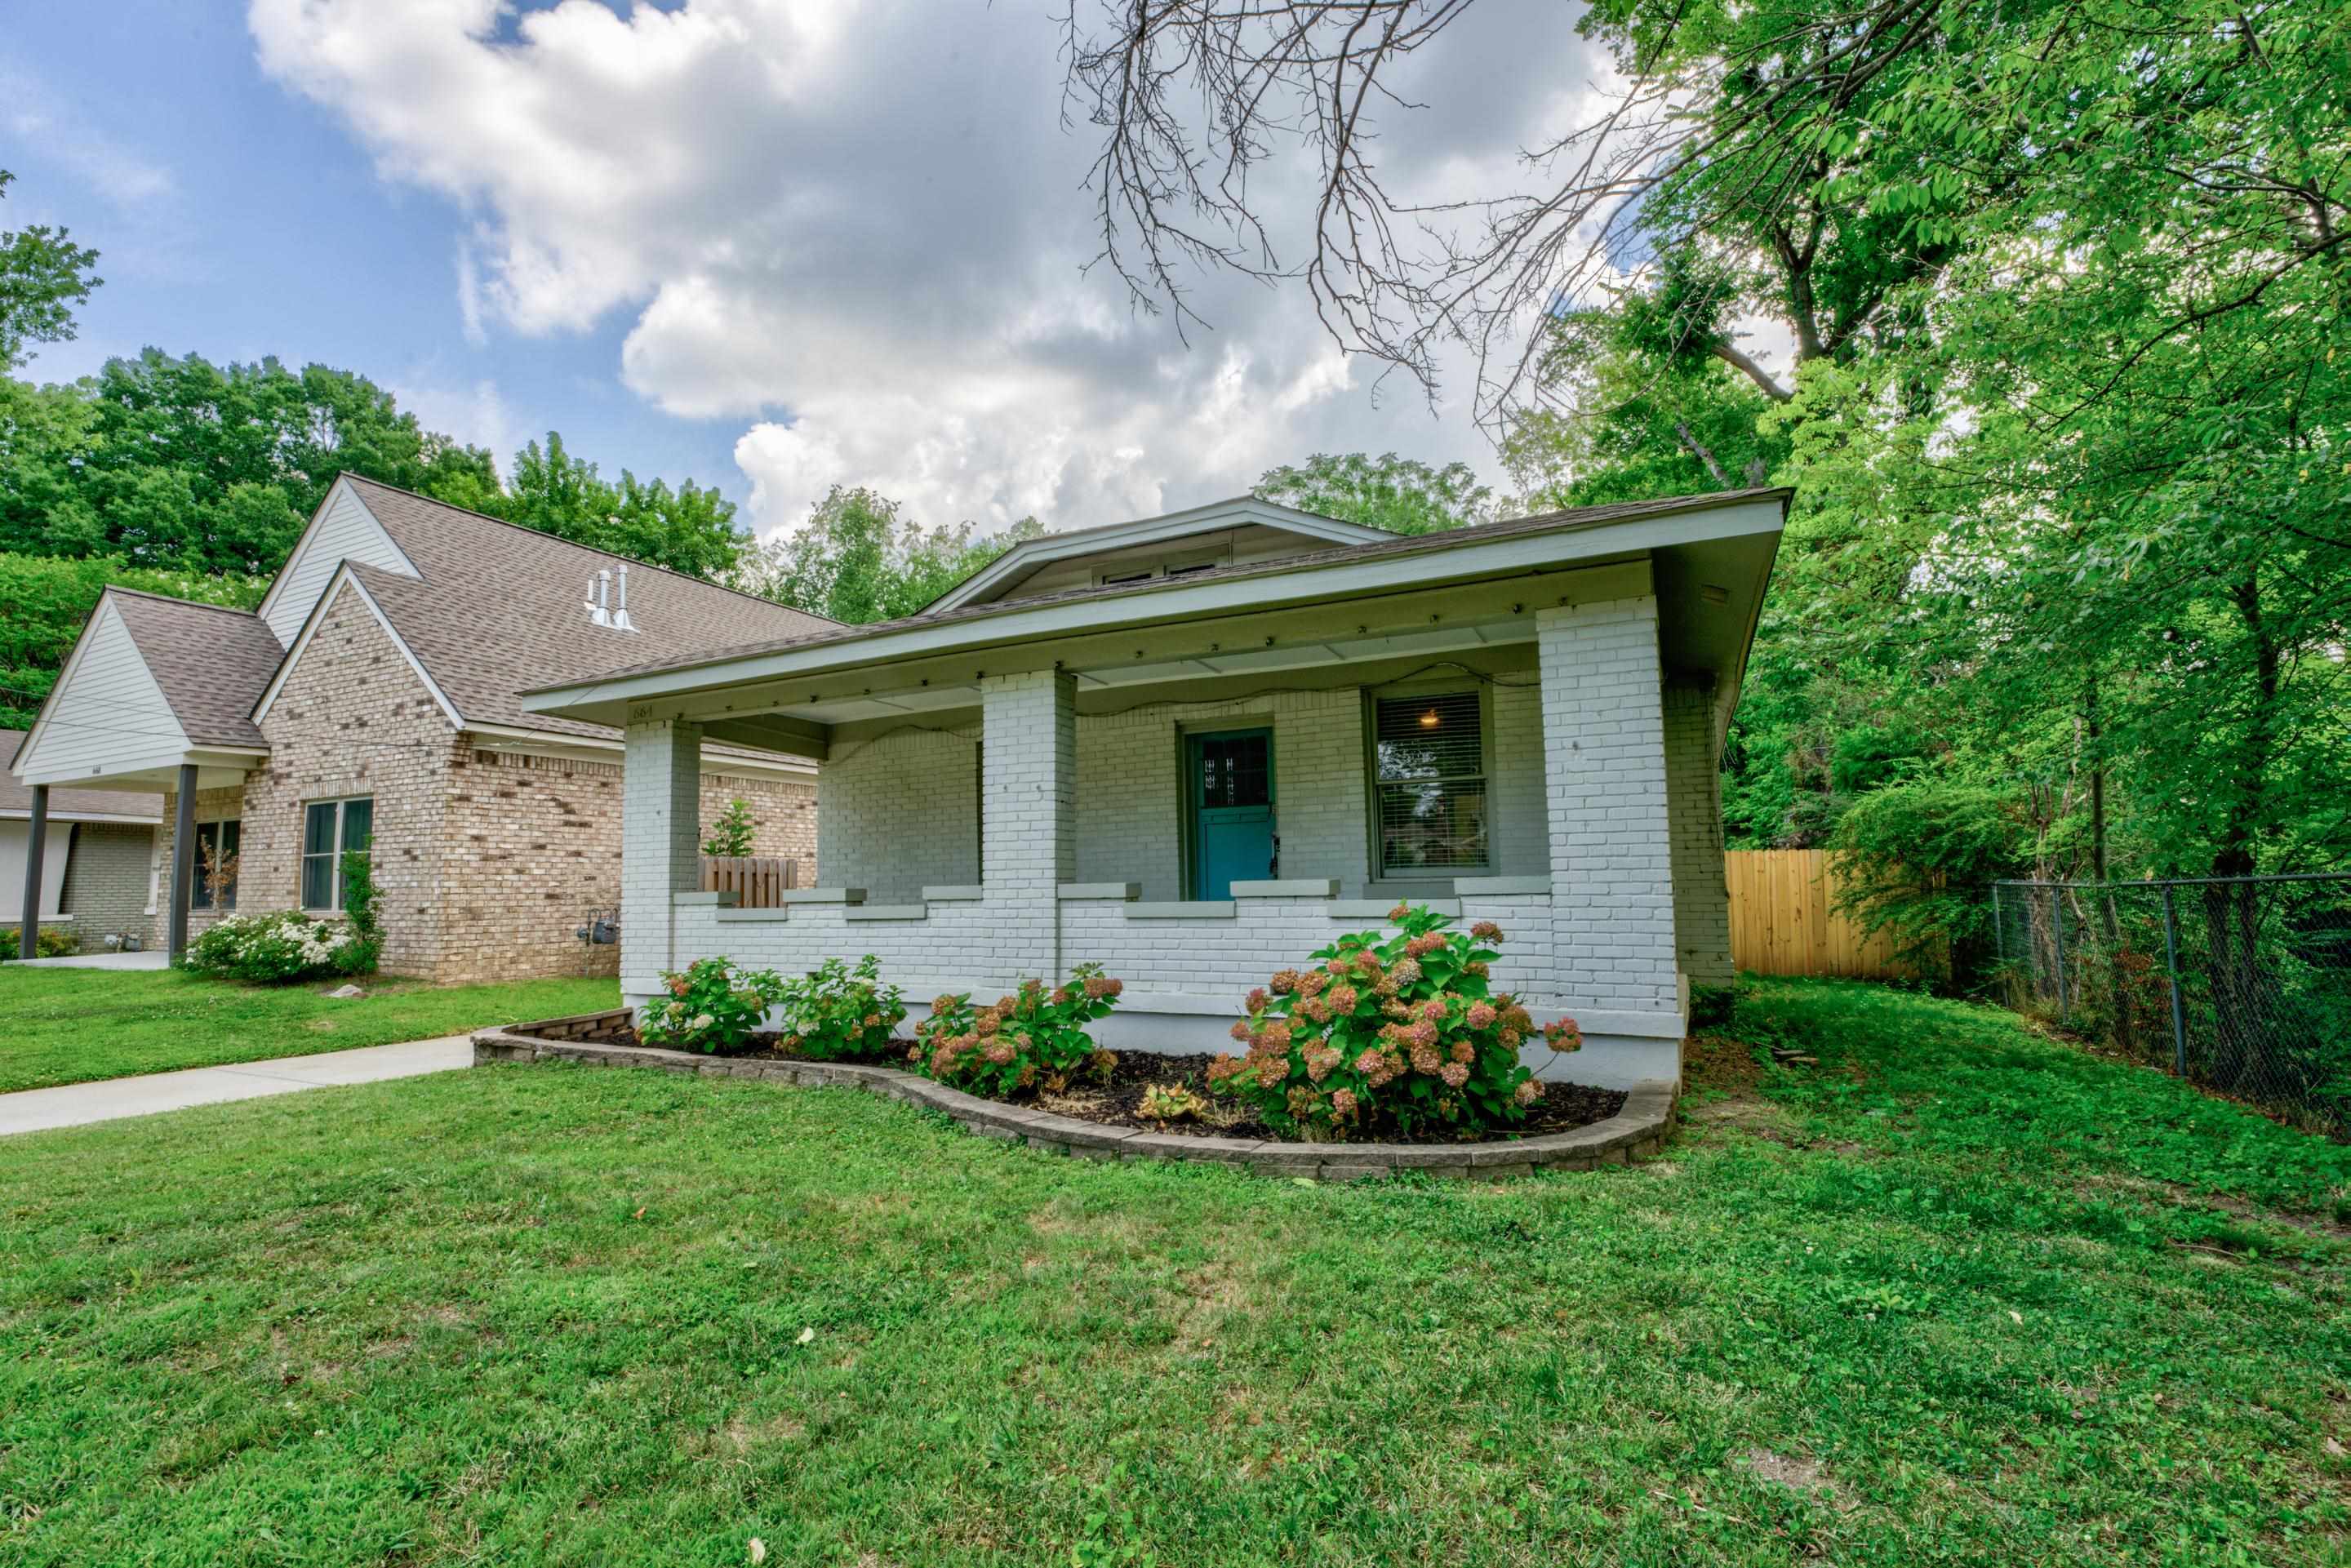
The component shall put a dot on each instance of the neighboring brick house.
(370, 699)
(1196, 748)
(97, 864)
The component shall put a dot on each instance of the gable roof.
(1238, 513)
(211, 661)
(65, 805)
(497, 608)
(1389, 547)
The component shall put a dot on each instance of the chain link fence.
(2241, 984)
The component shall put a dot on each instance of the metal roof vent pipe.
(599, 594)
(621, 622)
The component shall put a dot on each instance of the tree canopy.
(858, 560)
(44, 274)
(2065, 284)
(1402, 494)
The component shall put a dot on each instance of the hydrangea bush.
(1404, 1036)
(833, 1011)
(1036, 1040)
(712, 1007)
(281, 947)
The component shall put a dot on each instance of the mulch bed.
(1562, 1108)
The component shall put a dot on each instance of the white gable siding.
(107, 713)
(344, 531)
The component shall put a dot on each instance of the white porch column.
(1029, 834)
(1694, 801)
(661, 846)
(1604, 783)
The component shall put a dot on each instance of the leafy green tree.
(733, 833)
(690, 529)
(858, 561)
(43, 276)
(48, 598)
(1402, 494)
(178, 463)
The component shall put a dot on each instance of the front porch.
(1523, 751)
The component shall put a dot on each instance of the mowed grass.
(75, 1026)
(1893, 1310)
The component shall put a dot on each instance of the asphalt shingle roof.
(1402, 546)
(500, 608)
(211, 661)
(17, 798)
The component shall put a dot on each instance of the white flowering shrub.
(281, 947)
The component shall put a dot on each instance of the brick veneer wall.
(535, 845)
(487, 861)
(899, 812)
(106, 882)
(211, 806)
(1130, 787)
(1693, 813)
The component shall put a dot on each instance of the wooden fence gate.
(754, 880)
(1783, 920)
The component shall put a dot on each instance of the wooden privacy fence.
(1783, 920)
(754, 880)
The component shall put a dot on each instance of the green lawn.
(73, 1026)
(1953, 1297)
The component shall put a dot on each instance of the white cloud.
(475, 412)
(861, 229)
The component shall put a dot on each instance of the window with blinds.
(1428, 782)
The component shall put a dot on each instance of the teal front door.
(1228, 777)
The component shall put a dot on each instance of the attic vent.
(602, 608)
(1113, 579)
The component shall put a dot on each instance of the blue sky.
(771, 245)
(271, 234)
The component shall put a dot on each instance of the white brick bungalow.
(1195, 748)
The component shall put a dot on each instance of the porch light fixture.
(1430, 720)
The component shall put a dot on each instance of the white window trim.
(303, 856)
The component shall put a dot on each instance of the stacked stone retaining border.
(1638, 1130)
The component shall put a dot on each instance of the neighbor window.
(1428, 784)
(216, 847)
(329, 828)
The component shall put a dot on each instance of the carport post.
(28, 939)
(183, 863)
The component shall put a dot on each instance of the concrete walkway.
(154, 958)
(72, 1104)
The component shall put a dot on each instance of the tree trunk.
(2232, 909)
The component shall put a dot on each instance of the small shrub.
(359, 908)
(1036, 1040)
(833, 1012)
(732, 834)
(1711, 1006)
(48, 941)
(1402, 1036)
(1172, 1102)
(712, 1007)
(280, 947)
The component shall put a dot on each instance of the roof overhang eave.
(608, 700)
